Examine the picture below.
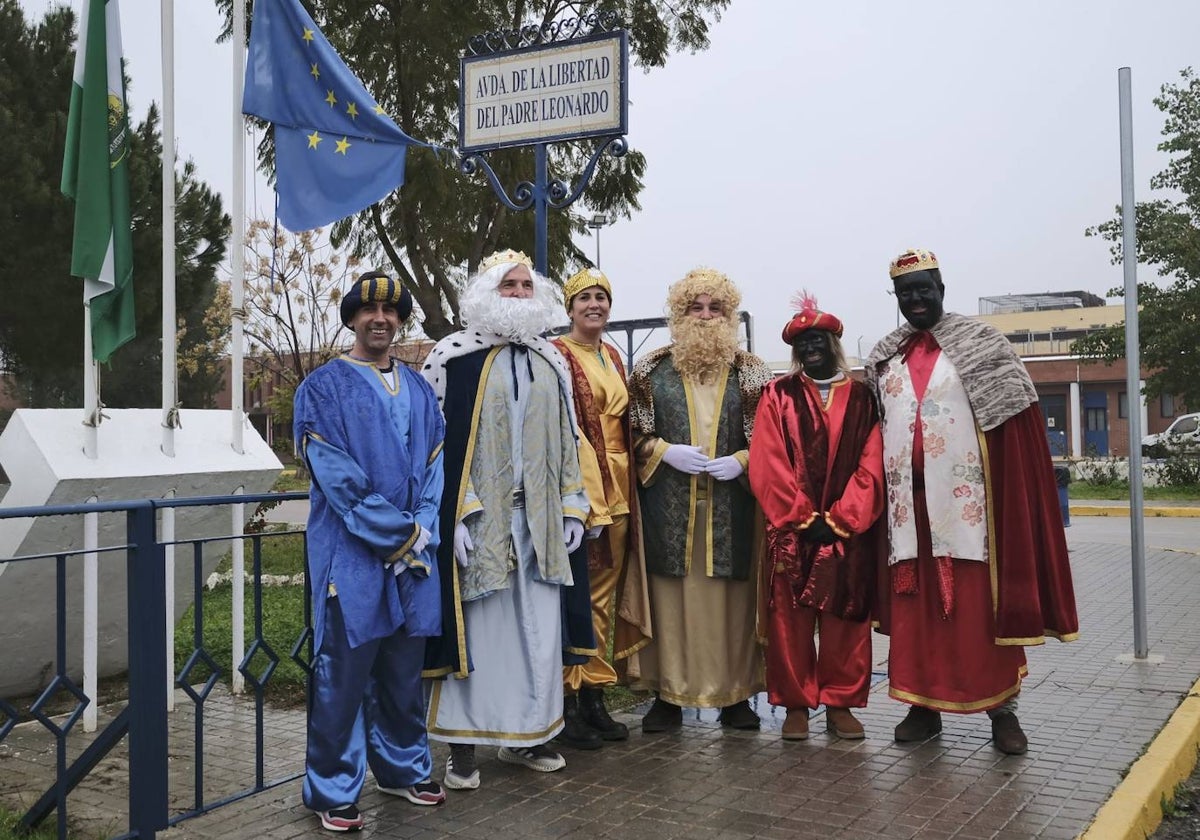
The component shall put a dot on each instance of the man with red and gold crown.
(978, 564)
(816, 468)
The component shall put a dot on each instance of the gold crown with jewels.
(506, 256)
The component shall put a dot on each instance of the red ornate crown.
(914, 259)
(809, 318)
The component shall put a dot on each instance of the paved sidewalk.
(1088, 710)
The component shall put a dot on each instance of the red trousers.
(801, 674)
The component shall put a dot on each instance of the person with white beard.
(512, 511)
(692, 408)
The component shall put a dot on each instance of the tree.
(41, 320)
(436, 229)
(1168, 238)
(294, 285)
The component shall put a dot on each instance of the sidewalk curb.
(1147, 511)
(1134, 810)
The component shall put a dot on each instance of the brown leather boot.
(843, 724)
(795, 725)
(1007, 734)
(920, 724)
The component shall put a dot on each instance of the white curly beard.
(517, 319)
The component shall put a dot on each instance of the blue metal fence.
(144, 719)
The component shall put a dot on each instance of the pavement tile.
(1088, 716)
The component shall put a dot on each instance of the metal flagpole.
(91, 389)
(1133, 367)
(237, 294)
(169, 419)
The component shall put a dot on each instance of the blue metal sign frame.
(541, 193)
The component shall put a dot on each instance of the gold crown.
(914, 259)
(506, 256)
(585, 280)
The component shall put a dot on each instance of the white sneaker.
(466, 762)
(538, 757)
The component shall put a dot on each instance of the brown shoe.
(795, 725)
(843, 724)
(1008, 736)
(920, 724)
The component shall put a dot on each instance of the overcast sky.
(814, 141)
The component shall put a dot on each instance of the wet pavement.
(1088, 708)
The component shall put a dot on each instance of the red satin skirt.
(951, 664)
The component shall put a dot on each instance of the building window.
(1166, 405)
(1123, 405)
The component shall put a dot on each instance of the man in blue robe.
(371, 433)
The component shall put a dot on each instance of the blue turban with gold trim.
(375, 287)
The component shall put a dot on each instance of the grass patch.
(10, 828)
(1083, 490)
(283, 621)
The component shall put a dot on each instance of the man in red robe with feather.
(816, 468)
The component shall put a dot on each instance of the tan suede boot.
(795, 725)
(843, 724)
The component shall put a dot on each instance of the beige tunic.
(705, 652)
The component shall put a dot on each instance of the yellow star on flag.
(308, 35)
(314, 139)
(342, 146)
(330, 98)
(379, 109)
(314, 72)
(352, 110)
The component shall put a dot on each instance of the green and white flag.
(96, 175)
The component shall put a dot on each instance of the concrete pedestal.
(41, 451)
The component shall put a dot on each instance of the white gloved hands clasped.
(462, 545)
(422, 539)
(686, 459)
(594, 532)
(725, 468)
(572, 533)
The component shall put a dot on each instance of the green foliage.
(435, 230)
(41, 321)
(1168, 234)
(10, 828)
(1179, 470)
(283, 620)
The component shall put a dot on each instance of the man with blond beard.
(512, 511)
(692, 407)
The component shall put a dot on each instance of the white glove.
(462, 544)
(725, 468)
(422, 539)
(594, 532)
(418, 546)
(686, 459)
(572, 533)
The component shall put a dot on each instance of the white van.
(1183, 435)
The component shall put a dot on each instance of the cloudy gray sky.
(814, 141)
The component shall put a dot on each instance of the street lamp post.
(597, 221)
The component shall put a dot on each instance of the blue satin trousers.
(367, 708)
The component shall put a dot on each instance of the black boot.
(575, 732)
(591, 704)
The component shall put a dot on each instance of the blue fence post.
(146, 588)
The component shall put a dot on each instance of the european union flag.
(336, 151)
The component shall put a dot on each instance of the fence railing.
(144, 719)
